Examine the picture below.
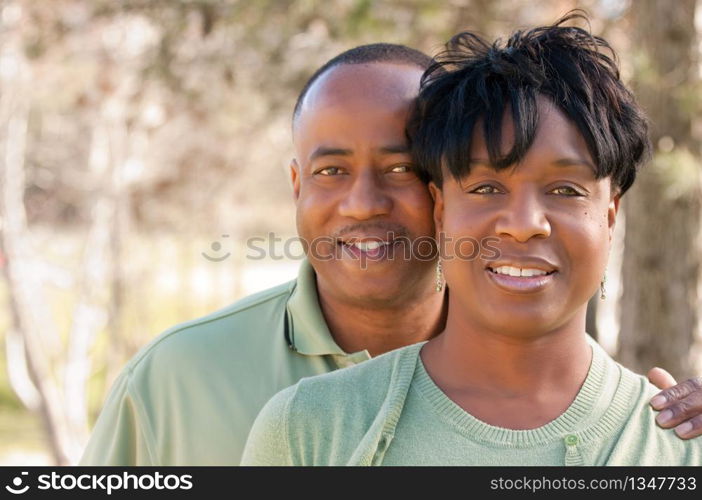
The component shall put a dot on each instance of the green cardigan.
(388, 411)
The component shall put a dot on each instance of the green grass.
(20, 432)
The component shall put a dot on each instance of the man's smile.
(373, 248)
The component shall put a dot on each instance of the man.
(191, 395)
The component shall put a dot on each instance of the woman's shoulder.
(631, 431)
(365, 382)
(327, 416)
(322, 419)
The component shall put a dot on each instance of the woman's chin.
(515, 318)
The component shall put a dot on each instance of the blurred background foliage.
(138, 137)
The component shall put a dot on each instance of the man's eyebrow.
(326, 151)
(395, 149)
(330, 151)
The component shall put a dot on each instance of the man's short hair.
(473, 80)
(371, 53)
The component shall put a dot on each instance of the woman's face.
(553, 221)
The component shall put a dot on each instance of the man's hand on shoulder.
(679, 405)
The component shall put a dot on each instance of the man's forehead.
(368, 82)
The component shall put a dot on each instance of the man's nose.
(366, 198)
(523, 217)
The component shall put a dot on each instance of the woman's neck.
(518, 380)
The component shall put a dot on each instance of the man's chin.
(378, 283)
(372, 295)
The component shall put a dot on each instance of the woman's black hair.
(473, 80)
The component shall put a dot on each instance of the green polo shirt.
(191, 396)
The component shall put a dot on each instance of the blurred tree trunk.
(31, 320)
(661, 262)
(47, 376)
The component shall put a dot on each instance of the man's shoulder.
(255, 317)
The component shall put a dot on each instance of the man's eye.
(401, 169)
(566, 191)
(485, 189)
(329, 171)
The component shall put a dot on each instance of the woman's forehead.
(555, 136)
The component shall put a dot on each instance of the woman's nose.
(523, 217)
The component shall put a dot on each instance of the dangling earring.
(603, 291)
(439, 276)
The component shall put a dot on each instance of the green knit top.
(388, 411)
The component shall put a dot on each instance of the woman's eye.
(566, 191)
(328, 171)
(485, 189)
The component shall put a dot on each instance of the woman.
(529, 146)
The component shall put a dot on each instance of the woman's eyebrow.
(478, 162)
(561, 162)
(573, 162)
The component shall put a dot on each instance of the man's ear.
(612, 211)
(438, 197)
(295, 178)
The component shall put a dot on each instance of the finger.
(681, 411)
(676, 393)
(690, 429)
(661, 378)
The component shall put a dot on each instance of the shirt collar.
(308, 332)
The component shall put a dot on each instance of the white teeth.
(515, 271)
(365, 246)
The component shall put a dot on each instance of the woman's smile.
(521, 274)
(520, 280)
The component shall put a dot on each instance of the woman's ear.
(295, 178)
(612, 212)
(438, 197)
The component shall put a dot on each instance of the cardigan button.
(571, 440)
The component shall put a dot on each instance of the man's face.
(359, 202)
